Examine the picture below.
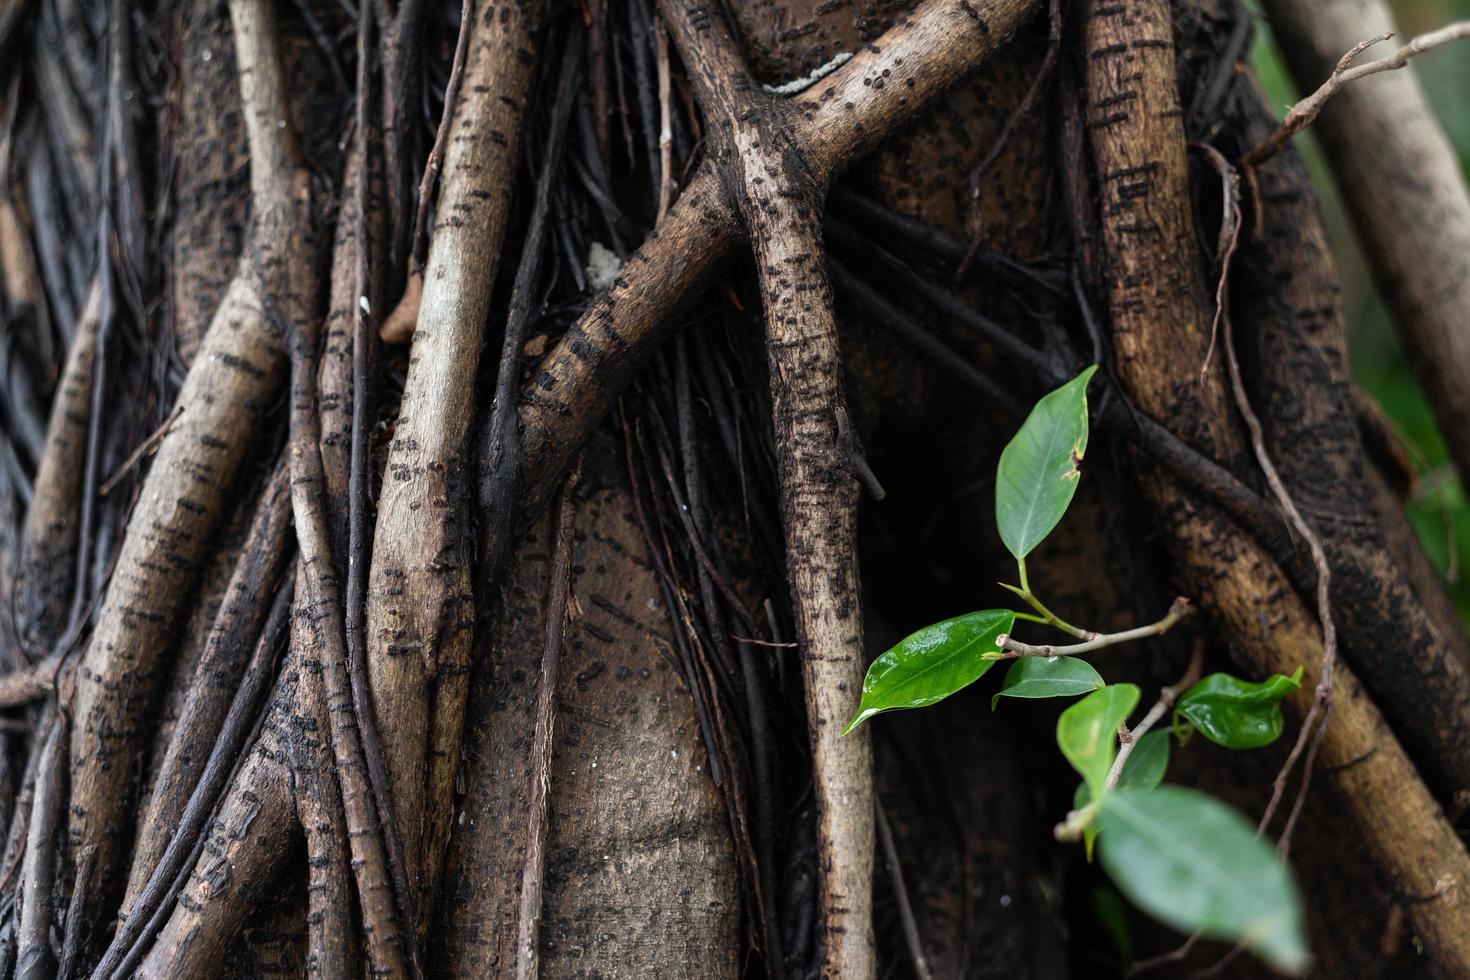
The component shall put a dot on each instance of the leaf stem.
(1011, 648)
(1128, 739)
(1071, 828)
(1048, 617)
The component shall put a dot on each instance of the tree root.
(419, 610)
(1157, 302)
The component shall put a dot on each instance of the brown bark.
(246, 845)
(211, 190)
(419, 612)
(780, 201)
(1157, 303)
(1294, 343)
(640, 878)
(235, 377)
(1402, 184)
(661, 801)
(222, 663)
(331, 931)
(46, 568)
(834, 121)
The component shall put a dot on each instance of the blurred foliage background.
(1439, 509)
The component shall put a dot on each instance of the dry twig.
(1302, 114)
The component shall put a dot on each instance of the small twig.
(1309, 737)
(34, 957)
(764, 643)
(528, 929)
(1301, 115)
(146, 448)
(1046, 617)
(901, 893)
(848, 438)
(1228, 240)
(1011, 648)
(441, 140)
(29, 683)
(1310, 732)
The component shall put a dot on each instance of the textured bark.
(248, 843)
(232, 384)
(420, 616)
(215, 679)
(330, 906)
(1157, 303)
(780, 202)
(1294, 347)
(214, 584)
(46, 570)
(834, 122)
(34, 957)
(671, 799)
(211, 190)
(1406, 194)
(640, 877)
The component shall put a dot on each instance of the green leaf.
(1194, 863)
(1038, 470)
(932, 664)
(1235, 713)
(1048, 677)
(1087, 732)
(1143, 771)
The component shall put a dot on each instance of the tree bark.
(1404, 189)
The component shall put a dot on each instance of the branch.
(1305, 112)
(1128, 738)
(1071, 828)
(187, 816)
(1157, 303)
(1311, 733)
(231, 386)
(242, 617)
(1012, 648)
(834, 122)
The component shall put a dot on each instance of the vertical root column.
(819, 512)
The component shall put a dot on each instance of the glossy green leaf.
(1143, 771)
(932, 664)
(1235, 713)
(1048, 677)
(1195, 864)
(1087, 732)
(1039, 468)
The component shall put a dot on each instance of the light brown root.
(419, 611)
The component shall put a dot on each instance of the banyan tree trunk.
(458, 462)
